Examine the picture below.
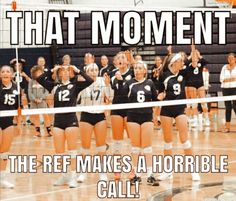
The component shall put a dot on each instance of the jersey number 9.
(177, 89)
(141, 96)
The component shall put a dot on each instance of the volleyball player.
(94, 121)
(49, 99)
(23, 79)
(37, 96)
(139, 121)
(172, 87)
(228, 85)
(105, 67)
(119, 117)
(195, 85)
(8, 101)
(66, 125)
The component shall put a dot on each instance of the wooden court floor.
(213, 186)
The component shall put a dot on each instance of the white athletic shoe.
(194, 122)
(82, 177)
(103, 177)
(195, 177)
(6, 184)
(63, 180)
(73, 182)
(207, 122)
(164, 176)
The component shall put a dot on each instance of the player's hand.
(107, 79)
(155, 72)
(169, 49)
(56, 68)
(161, 96)
(118, 75)
(75, 69)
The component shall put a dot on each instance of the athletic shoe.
(103, 177)
(117, 176)
(6, 184)
(135, 179)
(164, 176)
(63, 180)
(151, 180)
(73, 182)
(82, 177)
(195, 177)
(207, 122)
(194, 122)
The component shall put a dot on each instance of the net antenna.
(225, 3)
(136, 2)
(14, 7)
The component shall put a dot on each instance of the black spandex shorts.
(92, 118)
(196, 85)
(172, 111)
(6, 122)
(64, 121)
(122, 113)
(139, 118)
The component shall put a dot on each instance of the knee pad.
(168, 146)
(188, 106)
(147, 150)
(4, 156)
(84, 151)
(194, 105)
(117, 145)
(204, 105)
(102, 148)
(135, 150)
(72, 153)
(187, 145)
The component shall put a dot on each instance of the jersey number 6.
(141, 96)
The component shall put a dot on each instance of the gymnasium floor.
(38, 186)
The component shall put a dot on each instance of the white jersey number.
(63, 95)
(9, 99)
(196, 71)
(141, 96)
(177, 89)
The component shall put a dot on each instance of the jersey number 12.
(63, 95)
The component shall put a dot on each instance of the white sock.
(149, 171)
(136, 173)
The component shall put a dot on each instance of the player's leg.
(182, 126)
(100, 130)
(6, 138)
(71, 134)
(47, 124)
(202, 94)
(135, 137)
(193, 94)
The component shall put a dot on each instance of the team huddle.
(128, 80)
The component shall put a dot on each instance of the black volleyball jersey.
(195, 73)
(118, 95)
(22, 80)
(139, 92)
(107, 69)
(8, 97)
(173, 84)
(65, 95)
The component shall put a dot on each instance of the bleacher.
(215, 54)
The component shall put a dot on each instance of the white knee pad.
(204, 105)
(147, 150)
(135, 150)
(194, 105)
(72, 153)
(188, 106)
(4, 156)
(187, 145)
(168, 146)
(102, 148)
(117, 146)
(84, 151)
